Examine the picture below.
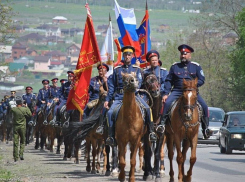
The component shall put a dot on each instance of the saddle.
(117, 109)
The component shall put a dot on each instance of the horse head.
(152, 85)
(130, 82)
(189, 98)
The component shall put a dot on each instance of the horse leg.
(179, 158)
(147, 157)
(94, 145)
(114, 161)
(185, 145)
(37, 140)
(122, 163)
(98, 153)
(88, 147)
(158, 158)
(141, 154)
(4, 131)
(133, 149)
(76, 151)
(66, 149)
(192, 159)
(27, 141)
(170, 142)
(107, 159)
(162, 167)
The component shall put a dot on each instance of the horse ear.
(196, 81)
(134, 74)
(184, 81)
(100, 83)
(123, 74)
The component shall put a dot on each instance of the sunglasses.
(12, 92)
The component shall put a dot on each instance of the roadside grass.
(4, 174)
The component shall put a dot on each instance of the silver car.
(216, 115)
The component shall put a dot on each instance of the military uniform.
(28, 98)
(174, 82)
(19, 127)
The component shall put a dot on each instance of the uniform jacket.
(161, 74)
(28, 98)
(178, 71)
(43, 95)
(115, 81)
(9, 101)
(94, 88)
(54, 91)
(20, 114)
(64, 90)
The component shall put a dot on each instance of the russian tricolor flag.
(126, 21)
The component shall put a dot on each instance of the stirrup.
(110, 141)
(100, 130)
(160, 128)
(52, 122)
(45, 122)
(207, 133)
(66, 124)
(152, 134)
(30, 123)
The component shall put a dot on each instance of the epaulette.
(135, 66)
(163, 68)
(175, 63)
(195, 63)
(118, 66)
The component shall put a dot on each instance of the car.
(232, 132)
(216, 115)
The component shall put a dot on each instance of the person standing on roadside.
(19, 126)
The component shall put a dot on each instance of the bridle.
(127, 83)
(152, 82)
(191, 107)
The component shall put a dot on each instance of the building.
(59, 20)
(53, 31)
(31, 52)
(19, 50)
(230, 38)
(52, 40)
(163, 28)
(71, 32)
(5, 52)
(74, 57)
(10, 86)
(42, 62)
(16, 68)
(73, 48)
(34, 38)
(56, 55)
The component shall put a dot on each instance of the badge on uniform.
(202, 72)
(140, 77)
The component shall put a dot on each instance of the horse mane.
(191, 84)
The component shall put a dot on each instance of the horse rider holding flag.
(115, 86)
(185, 69)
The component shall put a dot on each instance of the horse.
(3, 129)
(129, 126)
(152, 85)
(29, 126)
(9, 123)
(183, 127)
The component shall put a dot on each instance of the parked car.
(232, 133)
(216, 115)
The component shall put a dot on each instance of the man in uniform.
(53, 90)
(63, 94)
(174, 82)
(115, 86)
(11, 100)
(62, 81)
(1, 112)
(28, 98)
(94, 87)
(19, 126)
(42, 98)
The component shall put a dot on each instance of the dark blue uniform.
(53, 94)
(177, 72)
(115, 86)
(94, 89)
(43, 95)
(161, 74)
(28, 98)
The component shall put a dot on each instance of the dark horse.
(183, 127)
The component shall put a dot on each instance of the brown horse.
(129, 126)
(152, 85)
(183, 127)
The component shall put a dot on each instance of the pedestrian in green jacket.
(19, 127)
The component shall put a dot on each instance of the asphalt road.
(45, 166)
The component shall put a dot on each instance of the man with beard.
(185, 69)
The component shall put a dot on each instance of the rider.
(1, 111)
(42, 98)
(62, 81)
(63, 94)
(27, 100)
(94, 87)
(53, 89)
(115, 86)
(184, 70)
(5, 106)
(11, 100)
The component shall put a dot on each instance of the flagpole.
(146, 32)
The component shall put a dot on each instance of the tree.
(6, 14)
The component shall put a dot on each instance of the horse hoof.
(139, 171)
(107, 173)
(115, 172)
(57, 152)
(162, 173)
(121, 180)
(88, 169)
(93, 172)
(64, 158)
(148, 178)
(158, 180)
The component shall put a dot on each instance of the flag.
(126, 21)
(119, 53)
(144, 35)
(107, 50)
(89, 55)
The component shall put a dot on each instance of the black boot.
(152, 135)
(205, 131)
(111, 136)
(100, 129)
(161, 127)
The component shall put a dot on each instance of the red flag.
(89, 55)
